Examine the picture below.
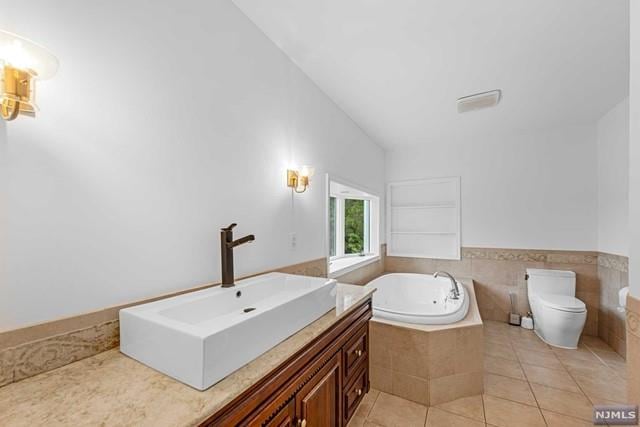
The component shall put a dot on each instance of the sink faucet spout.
(226, 253)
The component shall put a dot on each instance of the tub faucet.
(226, 251)
(455, 291)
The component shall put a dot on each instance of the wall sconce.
(22, 62)
(298, 179)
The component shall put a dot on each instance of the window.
(353, 227)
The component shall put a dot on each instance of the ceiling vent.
(479, 101)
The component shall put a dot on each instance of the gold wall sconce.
(298, 179)
(22, 62)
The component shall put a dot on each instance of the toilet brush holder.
(527, 321)
(514, 318)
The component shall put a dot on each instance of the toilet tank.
(559, 282)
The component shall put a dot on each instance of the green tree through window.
(353, 226)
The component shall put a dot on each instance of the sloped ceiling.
(397, 67)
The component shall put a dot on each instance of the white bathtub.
(418, 298)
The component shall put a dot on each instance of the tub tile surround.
(40, 348)
(428, 364)
(518, 391)
(498, 272)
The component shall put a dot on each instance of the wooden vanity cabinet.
(320, 386)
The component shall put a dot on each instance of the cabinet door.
(318, 402)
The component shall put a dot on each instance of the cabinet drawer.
(355, 351)
(354, 392)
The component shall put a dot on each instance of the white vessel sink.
(201, 337)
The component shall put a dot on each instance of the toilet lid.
(562, 302)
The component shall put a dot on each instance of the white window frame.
(340, 227)
(372, 223)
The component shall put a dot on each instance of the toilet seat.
(562, 303)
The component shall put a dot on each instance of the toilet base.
(554, 345)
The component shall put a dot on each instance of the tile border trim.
(531, 255)
(615, 262)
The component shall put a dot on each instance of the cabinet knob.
(359, 392)
(358, 353)
(302, 423)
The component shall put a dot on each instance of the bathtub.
(418, 298)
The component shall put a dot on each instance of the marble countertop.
(111, 389)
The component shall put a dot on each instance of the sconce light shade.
(22, 62)
(298, 179)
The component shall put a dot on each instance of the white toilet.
(558, 315)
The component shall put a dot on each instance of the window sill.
(340, 266)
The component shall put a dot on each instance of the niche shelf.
(423, 218)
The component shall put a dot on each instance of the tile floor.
(527, 383)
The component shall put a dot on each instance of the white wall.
(613, 180)
(534, 191)
(634, 152)
(166, 121)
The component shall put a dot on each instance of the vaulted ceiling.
(398, 66)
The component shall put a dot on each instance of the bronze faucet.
(226, 251)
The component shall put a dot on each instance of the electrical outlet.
(293, 240)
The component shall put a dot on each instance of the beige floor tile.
(508, 388)
(500, 339)
(613, 388)
(608, 356)
(371, 424)
(557, 420)
(515, 331)
(498, 326)
(499, 350)
(550, 377)
(600, 401)
(470, 407)
(505, 413)
(392, 411)
(581, 353)
(439, 418)
(544, 359)
(365, 406)
(594, 343)
(531, 342)
(590, 368)
(563, 402)
(357, 421)
(620, 368)
(504, 367)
